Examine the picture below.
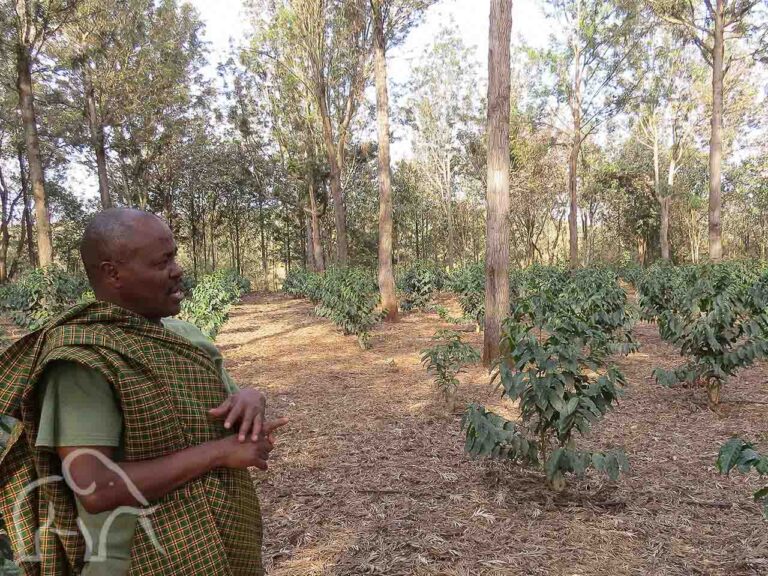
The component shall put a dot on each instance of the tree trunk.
(333, 154)
(716, 137)
(22, 241)
(497, 199)
(97, 139)
(573, 230)
(317, 248)
(26, 215)
(661, 198)
(573, 163)
(386, 275)
(29, 121)
(263, 240)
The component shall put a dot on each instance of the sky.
(227, 20)
(227, 23)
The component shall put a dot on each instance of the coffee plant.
(347, 296)
(446, 359)
(736, 453)
(554, 351)
(718, 317)
(42, 293)
(445, 314)
(207, 307)
(418, 285)
(468, 284)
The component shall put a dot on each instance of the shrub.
(553, 361)
(207, 307)
(447, 359)
(418, 285)
(717, 315)
(739, 454)
(468, 284)
(42, 293)
(347, 296)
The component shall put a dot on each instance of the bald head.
(108, 238)
(130, 258)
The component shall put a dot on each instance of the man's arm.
(157, 477)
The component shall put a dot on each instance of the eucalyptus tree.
(497, 197)
(101, 46)
(590, 69)
(325, 45)
(717, 28)
(670, 112)
(296, 130)
(392, 19)
(444, 104)
(27, 26)
(162, 85)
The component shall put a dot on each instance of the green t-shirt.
(80, 408)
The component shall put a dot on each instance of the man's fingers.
(222, 409)
(234, 415)
(258, 421)
(273, 425)
(246, 423)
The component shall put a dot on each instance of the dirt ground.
(370, 477)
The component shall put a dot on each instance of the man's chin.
(173, 309)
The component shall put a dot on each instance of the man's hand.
(246, 407)
(235, 454)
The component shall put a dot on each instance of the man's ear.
(110, 274)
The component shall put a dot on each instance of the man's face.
(147, 278)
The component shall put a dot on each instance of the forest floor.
(370, 476)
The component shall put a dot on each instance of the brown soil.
(370, 476)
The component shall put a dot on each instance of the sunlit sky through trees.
(227, 25)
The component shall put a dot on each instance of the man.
(131, 409)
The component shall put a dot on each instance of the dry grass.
(370, 476)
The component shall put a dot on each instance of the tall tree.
(443, 105)
(34, 24)
(334, 40)
(497, 226)
(713, 25)
(386, 274)
(589, 69)
(669, 115)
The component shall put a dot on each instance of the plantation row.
(557, 343)
(41, 294)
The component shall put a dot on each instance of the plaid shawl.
(166, 385)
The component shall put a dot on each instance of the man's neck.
(117, 302)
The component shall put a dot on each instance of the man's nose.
(177, 271)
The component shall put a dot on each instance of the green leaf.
(729, 455)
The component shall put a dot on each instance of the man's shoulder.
(181, 327)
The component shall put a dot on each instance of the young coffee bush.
(446, 359)
(41, 294)
(418, 285)
(349, 297)
(468, 284)
(207, 307)
(553, 362)
(720, 324)
(736, 453)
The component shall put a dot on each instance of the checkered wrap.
(166, 385)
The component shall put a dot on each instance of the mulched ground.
(370, 476)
